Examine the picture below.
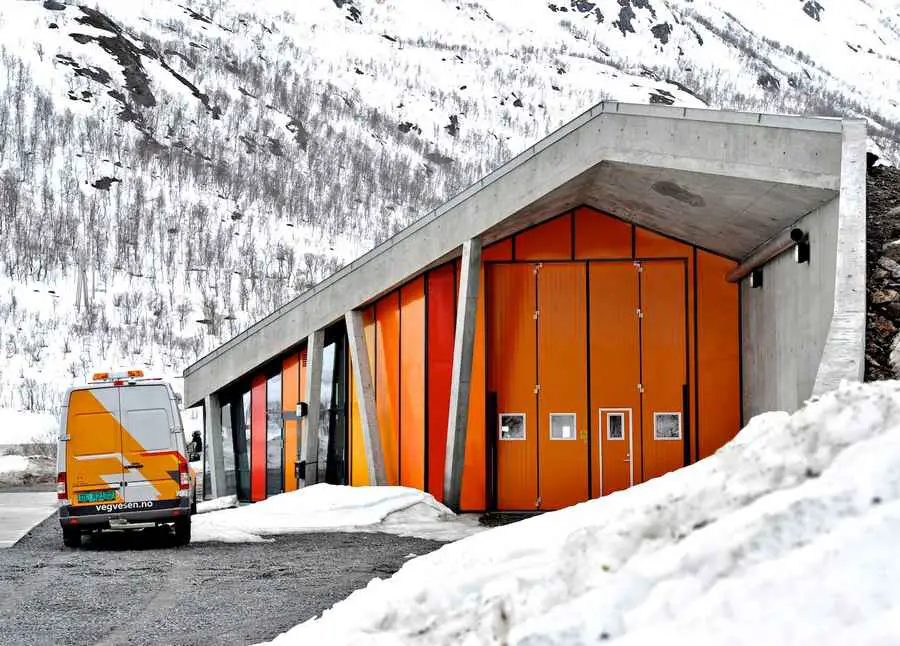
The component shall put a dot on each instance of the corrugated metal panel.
(412, 384)
(441, 324)
(387, 381)
(472, 497)
(601, 236)
(562, 370)
(718, 353)
(512, 330)
(549, 241)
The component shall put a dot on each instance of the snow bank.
(18, 427)
(323, 507)
(10, 464)
(788, 535)
(216, 504)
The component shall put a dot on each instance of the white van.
(122, 459)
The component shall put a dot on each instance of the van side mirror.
(302, 410)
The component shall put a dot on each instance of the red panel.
(472, 497)
(663, 353)
(387, 381)
(412, 384)
(718, 348)
(441, 323)
(549, 241)
(498, 251)
(513, 374)
(258, 438)
(600, 236)
(562, 369)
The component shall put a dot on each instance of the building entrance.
(587, 362)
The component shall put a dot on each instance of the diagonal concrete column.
(463, 349)
(212, 420)
(365, 397)
(309, 439)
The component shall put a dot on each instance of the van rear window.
(147, 416)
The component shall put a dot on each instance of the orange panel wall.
(549, 241)
(258, 438)
(718, 354)
(664, 357)
(562, 375)
(290, 395)
(649, 244)
(498, 251)
(512, 338)
(472, 497)
(441, 324)
(412, 384)
(601, 236)
(615, 373)
(387, 380)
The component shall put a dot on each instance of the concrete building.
(608, 306)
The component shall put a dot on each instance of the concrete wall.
(786, 322)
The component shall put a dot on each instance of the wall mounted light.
(801, 245)
(756, 278)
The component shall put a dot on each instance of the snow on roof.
(787, 535)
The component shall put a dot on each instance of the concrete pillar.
(365, 397)
(309, 440)
(212, 420)
(463, 349)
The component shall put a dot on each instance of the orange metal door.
(513, 375)
(664, 365)
(615, 376)
(562, 376)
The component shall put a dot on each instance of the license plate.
(97, 496)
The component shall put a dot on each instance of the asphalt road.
(137, 588)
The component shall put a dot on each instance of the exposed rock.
(883, 270)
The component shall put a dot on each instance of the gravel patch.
(137, 588)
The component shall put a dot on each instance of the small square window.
(667, 426)
(615, 426)
(562, 426)
(512, 426)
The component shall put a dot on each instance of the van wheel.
(71, 537)
(183, 531)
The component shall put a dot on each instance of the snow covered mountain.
(172, 171)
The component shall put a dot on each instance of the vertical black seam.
(537, 381)
(400, 386)
(640, 322)
(740, 341)
(426, 353)
(587, 355)
(696, 416)
(686, 396)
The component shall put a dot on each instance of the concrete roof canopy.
(725, 181)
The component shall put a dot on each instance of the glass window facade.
(274, 438)
(333, 429)
(228, 450)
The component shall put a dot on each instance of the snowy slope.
(786, 536)
(171, 171)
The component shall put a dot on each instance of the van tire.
(71, 537)
(183, 531)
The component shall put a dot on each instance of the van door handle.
(136, 465)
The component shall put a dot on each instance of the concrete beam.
(463, 349)
(365, 397)
(843, 357)
(309, 440)
(212, 419)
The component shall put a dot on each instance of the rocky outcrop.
(883, 270)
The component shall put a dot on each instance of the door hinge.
(537, 315)
(640, 388)
(537, 389)
(639, 266)
(640, 313)
(537, 268)
(537, 503)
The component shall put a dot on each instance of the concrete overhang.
(724, 181)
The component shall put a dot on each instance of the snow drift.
(787, 535)
(324, 507)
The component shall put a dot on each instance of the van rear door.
(152, 456)
(94, 447)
